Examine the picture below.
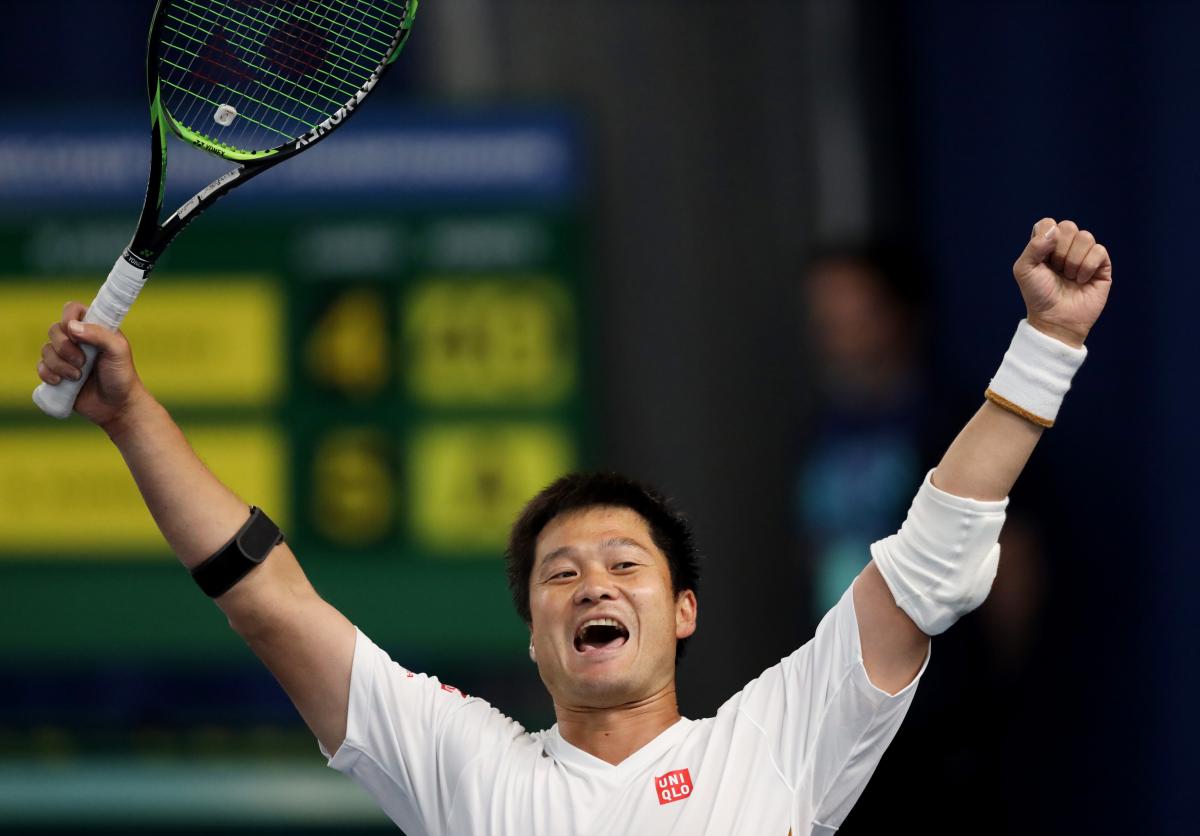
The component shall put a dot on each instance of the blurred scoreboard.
(381, 342)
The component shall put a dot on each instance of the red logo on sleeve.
(674, 786)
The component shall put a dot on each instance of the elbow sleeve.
(941, 563)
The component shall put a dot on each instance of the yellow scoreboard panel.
(211, 342)
(198, 340)
(65, 493)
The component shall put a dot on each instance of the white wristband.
(1035, 374)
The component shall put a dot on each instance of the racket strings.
(277, 33)
(277, 69)
(259, 107)
(272, 51)
(245, 37)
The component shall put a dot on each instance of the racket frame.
(150, 237)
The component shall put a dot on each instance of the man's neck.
(613, 734)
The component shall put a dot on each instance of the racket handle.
(109, 308)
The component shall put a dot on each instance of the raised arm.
(1064, 277)
(306, 643)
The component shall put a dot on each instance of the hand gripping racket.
(253, 82)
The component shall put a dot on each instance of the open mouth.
(600, 634)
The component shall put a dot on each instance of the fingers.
(61, 342)
(1077, 257)
(53, 363)
(1066, 236)
(1042, 241)
(1079, 248)
(1095, 265)
(110, 342)
(61, 357)
(1042, 229)
(47, 375)
(72, 310)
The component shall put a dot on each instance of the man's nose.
(594, 585)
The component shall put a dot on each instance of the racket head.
(254, 80)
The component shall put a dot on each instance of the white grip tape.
(109, 308)
(942, 562)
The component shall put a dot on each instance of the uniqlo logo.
(674, 786)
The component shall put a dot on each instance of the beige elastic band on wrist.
(1012, 407)
(1035, 375)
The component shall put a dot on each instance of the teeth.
(599, 622)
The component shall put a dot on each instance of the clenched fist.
(1064, 276)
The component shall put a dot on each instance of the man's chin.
(597, 689)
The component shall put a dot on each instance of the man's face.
(854, 324)
(605, 620)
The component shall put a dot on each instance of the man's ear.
(685, 614)
(532, 654)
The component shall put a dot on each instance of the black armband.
(233, 561)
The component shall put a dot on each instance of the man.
(607, 606)
(875, 422)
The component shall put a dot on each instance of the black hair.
(579, 491)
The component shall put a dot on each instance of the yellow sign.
(489, 342)
(65, 491)
(468, 482)
(195, 343)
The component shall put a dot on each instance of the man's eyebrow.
(611, 542)
(561, 551)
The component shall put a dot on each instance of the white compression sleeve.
(940, 564)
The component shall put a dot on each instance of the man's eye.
(565, 573)
(625, 564)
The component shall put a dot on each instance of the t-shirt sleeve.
(410, 737)
(827, 724)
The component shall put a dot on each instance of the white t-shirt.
(791, 751)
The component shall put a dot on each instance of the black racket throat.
(152, 237)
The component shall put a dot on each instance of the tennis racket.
(253, 82)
